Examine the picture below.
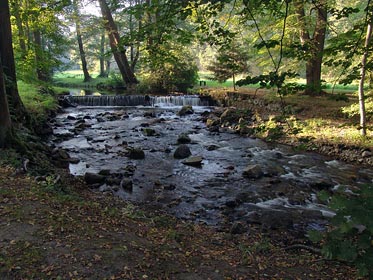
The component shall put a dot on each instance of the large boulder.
(182, 151)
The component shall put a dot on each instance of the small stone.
(238, 228)
(193, 161)
(183, 139)
(186, 110)
(136, 153)
(126, 184)
(366, 154)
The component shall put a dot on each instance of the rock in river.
(193, 161)
(93, 178)
(182, 151)
(253, 171)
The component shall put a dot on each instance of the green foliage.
(350, 236)
(274, 79)
(169, 70)
(230, 61)
(353, 110)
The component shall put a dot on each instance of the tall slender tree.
(119, 51)
(79, 38)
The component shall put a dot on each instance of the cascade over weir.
(138, 100)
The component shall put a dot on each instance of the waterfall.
(136, 100)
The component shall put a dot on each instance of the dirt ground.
(66, 231)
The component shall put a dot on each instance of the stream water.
(216, 192)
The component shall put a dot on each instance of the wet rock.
(213, 121)
(126, 184)
(253, 172)
(182, 151)
(169, 187)
(193, 161)
(150, 114)
(104, 172)
(215, 128)
(183, 139)
(321, 185)
(100, 119)
(93, 178)
(272, 219)
(59, 154)
(238, 228)
(69, 117)
(136, 153)
(366, 154)
(212, 147)
(112, 181)
(186, 110)
(74, 160)
(149, 132)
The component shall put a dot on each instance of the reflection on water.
(83, 92)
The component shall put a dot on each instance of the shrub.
(349, 238)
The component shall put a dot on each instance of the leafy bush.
(349, 238)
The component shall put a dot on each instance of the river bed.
(281, 195)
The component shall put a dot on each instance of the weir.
(137, 100)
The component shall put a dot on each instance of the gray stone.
(186, 110)
(193, 161)
(253, 171)
(126, 184)
(238, 228)
(93, 178)
(183, 139)
(136, 153)
(182, 151)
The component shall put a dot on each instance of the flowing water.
(214, 193)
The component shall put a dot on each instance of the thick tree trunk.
(16, 106)
(313, 44)
(5, 123)
(87, 77)
(118, 50)
(363, 125)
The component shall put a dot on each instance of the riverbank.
(62, 230)
(323, 124)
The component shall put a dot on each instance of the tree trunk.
(102, 56)
(5, 123)
(21, 33)
(16, 106)
(363, 125)
(87, 77)
(40, 69)
(314, 45)
(118, 50)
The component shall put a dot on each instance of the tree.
(82, 54)
(5, 122)
(364, 59)
(16, 106)
(312, 38)
(230, 61)
(117, 47)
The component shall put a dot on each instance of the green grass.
(74, 78)
(38, 104)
